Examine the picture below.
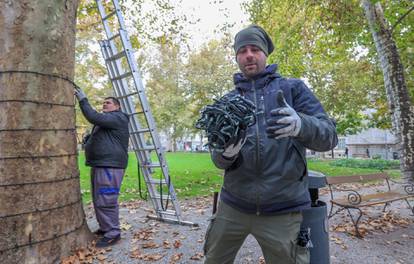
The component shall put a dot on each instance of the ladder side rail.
(148, 115)
(121, 89)
(102, 13)
(119, 14)
(137, 140)
(133, 69)
(127, 103)
(145, 104)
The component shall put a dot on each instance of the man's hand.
(79, 94)
(285, 122)
(233, 149)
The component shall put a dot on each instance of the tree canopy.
(329, 44)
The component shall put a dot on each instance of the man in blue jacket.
(106, 151)
(265, 182)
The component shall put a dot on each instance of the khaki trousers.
(276, 236)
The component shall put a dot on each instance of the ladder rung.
(127, 95)
(156, 181)
(164, 197)
(116, 56)
(136, 113)
(122, 76)
(145, 130)
(167, 212)
(114, 37)
(109, 15)
(145, 148)
(152, 165)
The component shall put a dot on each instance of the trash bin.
(316, 218)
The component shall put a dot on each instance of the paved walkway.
(389, 238)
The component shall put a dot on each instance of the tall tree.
(328, 43)
(208, 74)
(402, 110)
(146, 21)
(41, 215)
(166, 91)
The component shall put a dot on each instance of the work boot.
(106, 241)
(99, 232)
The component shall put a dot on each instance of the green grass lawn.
(193, 174)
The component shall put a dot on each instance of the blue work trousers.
(106, 183)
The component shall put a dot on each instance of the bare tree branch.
(401, 18)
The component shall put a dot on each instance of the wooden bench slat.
(373, 199)
(356, 178)
(381, 197)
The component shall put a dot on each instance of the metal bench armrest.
(408, 187)
(354, 197)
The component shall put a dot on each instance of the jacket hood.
(269, 73)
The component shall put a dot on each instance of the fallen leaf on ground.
(152, 257)
(197, 256)
(176, 257)
(135, 253)
(177, 243)
(166, 244)
(125, 226)
(144, 234)
(386, 223)
(150, 245)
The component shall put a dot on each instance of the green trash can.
(316, 218)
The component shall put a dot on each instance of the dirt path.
(389, 237)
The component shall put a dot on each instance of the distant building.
(369, 143)
(338, 151)
(372, 143)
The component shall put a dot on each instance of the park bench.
(353, 200)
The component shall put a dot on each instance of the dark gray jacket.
(107, 145)
(270, 175)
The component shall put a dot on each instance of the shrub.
(367, 163)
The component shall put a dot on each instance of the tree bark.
(402, 110)
(41, 214)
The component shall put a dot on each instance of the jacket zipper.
(257, 149)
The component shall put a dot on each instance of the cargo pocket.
(107, 189)
(107, 196)
(207, 237)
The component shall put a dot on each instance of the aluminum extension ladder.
(128, 88)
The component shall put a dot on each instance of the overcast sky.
(212, 15)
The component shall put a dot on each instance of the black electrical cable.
(43, 210)
(36, 102)
(33, 157)
(38, 129)
(226, 121)
(139, 184)
(164, 208)
(44, 240)
(38, 157)
(39, 182)
(44, 74)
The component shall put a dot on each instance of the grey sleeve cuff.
(220, 161)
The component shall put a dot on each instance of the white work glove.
(284, 121)
(79, 94)
(233, 149)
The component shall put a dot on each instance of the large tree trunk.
(41, 214)
(398, 97)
